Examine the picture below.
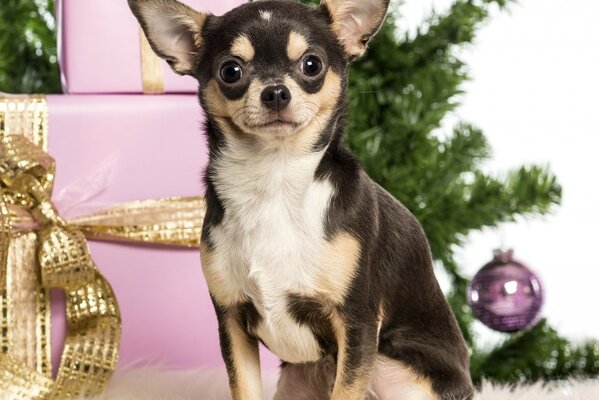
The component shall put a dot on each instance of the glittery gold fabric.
(39, 251)
(54, 256)
(25, 115)
(168, 221)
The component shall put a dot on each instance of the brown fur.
(242, 47)
(346, 389)
(219, 293)
(245, 374)
(296, 46)
(340, 261)
(322, 104)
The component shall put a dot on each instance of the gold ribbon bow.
(39, 251)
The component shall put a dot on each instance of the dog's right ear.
(173, 30)
(355, 22)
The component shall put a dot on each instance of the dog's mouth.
(276, 123)
(271, 124)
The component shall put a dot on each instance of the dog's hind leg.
(308, 381)
(392, 380)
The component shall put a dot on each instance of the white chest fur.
(270, 240)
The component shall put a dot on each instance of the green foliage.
(28, 47)
(538, 354)
(400, 93)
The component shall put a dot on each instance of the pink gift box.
(99, 46)
(113, 149)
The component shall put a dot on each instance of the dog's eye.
(231, 72)
(311, 66)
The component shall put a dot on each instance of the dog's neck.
(247, 169)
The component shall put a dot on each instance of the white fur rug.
(157, 384)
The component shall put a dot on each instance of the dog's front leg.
(240, 352)
(357, 349)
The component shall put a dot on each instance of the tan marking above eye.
(297, 46)
(242, 47)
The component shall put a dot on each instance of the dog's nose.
(276, 97)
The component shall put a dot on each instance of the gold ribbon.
(39, 251)
(173, 221)
(152, 73)
(25, 115)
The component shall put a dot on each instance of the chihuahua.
(301, 250)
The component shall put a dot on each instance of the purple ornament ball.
(505, 295)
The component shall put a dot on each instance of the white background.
(535, 93)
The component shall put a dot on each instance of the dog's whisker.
(239, 110)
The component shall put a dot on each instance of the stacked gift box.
(129, 129)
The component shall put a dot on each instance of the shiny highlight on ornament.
(505, 295)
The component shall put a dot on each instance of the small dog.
(301, 250)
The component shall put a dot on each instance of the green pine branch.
(538, 354)
(28, 62)
(456, 27)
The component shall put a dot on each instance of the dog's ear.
(173, 29)
(356, 21)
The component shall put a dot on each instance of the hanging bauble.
(505, 295)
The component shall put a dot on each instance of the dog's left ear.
(173, 29)
(356, 21)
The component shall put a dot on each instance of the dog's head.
(271, 69)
